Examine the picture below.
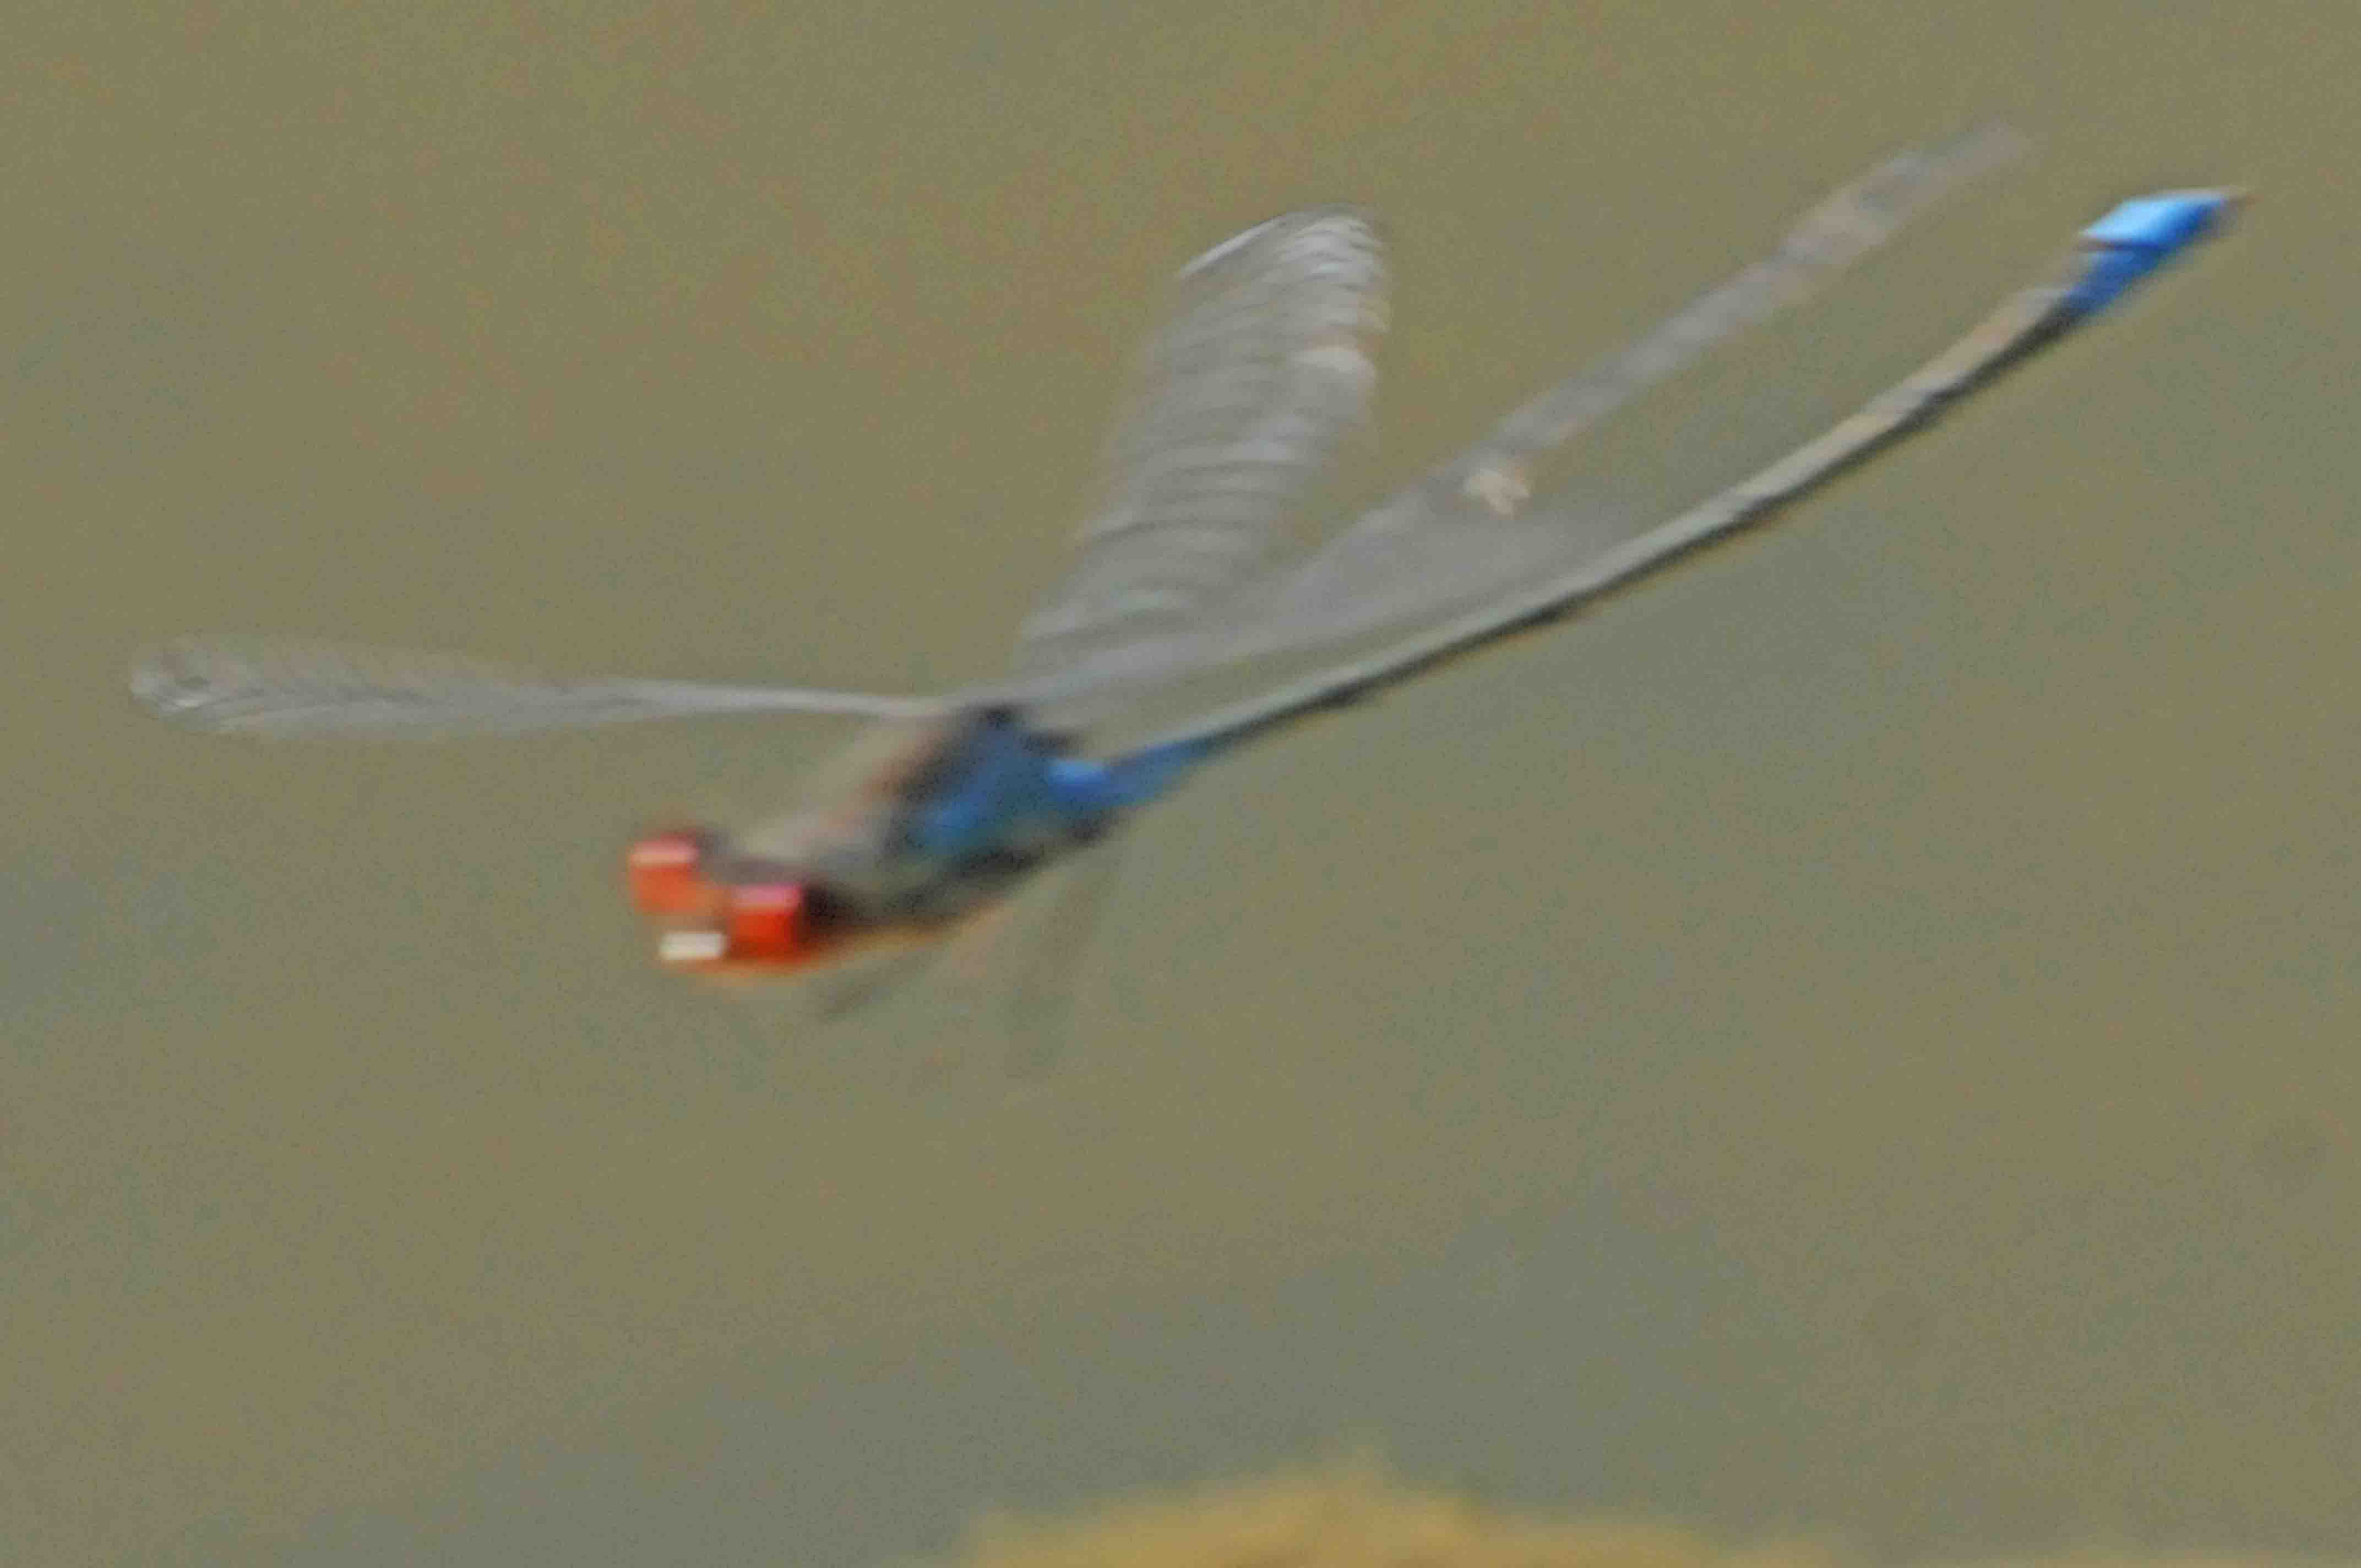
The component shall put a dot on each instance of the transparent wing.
(2115, 255)
(1261, 367)
(269, 686)
(1460, 533)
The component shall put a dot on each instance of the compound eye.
(670, 872)
(764, 922)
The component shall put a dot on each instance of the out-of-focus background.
(1858, 1040)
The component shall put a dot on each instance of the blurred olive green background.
(1857, 1038)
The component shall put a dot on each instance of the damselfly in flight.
(1260, 371)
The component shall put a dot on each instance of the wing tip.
(1361, 224)
(177, 681)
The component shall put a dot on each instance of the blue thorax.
(1003, 787)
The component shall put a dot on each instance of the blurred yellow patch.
(1352, 1515)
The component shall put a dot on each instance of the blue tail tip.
(2164, 222)
(2140, 235)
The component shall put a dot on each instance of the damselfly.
(1261, 367)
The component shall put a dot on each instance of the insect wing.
(278, 687)
(1261, 367)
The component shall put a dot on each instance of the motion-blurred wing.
(2114, 257)
(1261, 367)
(1461, 534)
(263, 686)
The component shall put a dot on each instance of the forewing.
(1262, 367)
(1462, 533)
(271, 686)
(2114, 256)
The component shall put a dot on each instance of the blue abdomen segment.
(1005, 788)
(1125, 781)
(2138, 236)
